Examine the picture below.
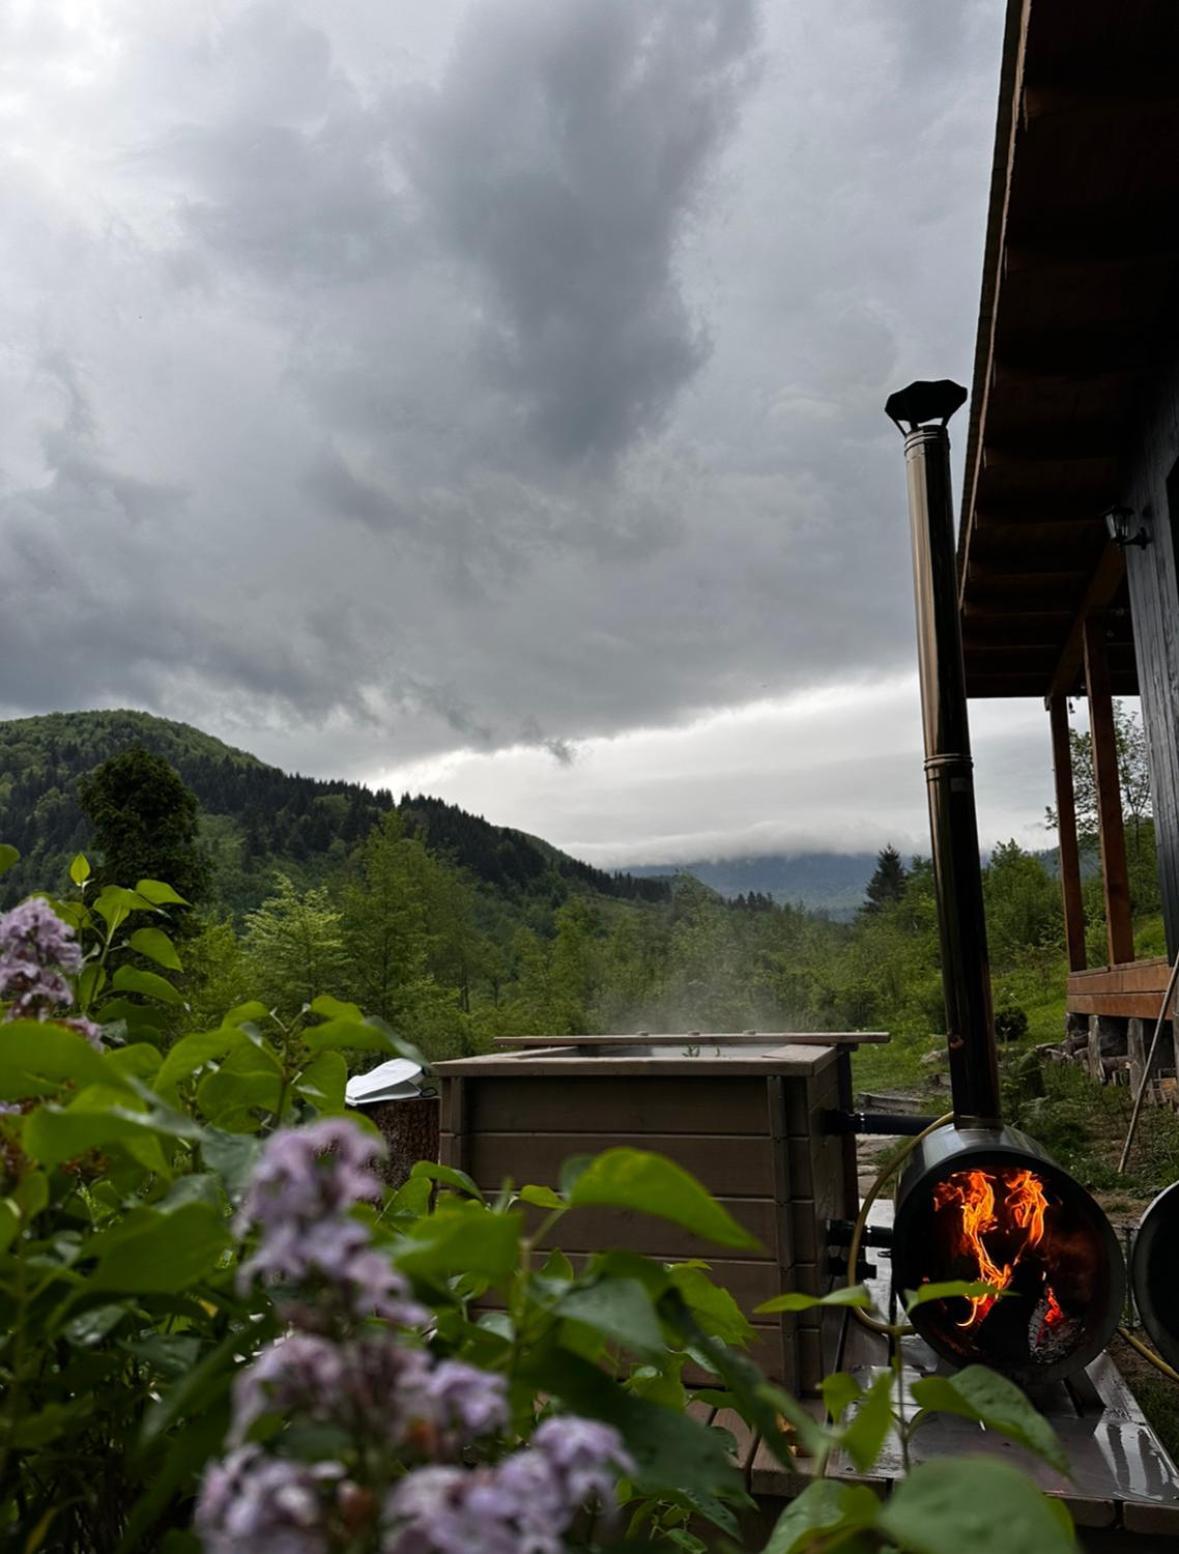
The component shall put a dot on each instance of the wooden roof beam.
(1103, 585)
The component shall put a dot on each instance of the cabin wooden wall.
(757, 1142)
(1152, 491)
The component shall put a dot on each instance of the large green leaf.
(973, 1505)
(323, 1082)
(621, 1311)
(40, 1058)
(130, 979)
(192, 1052)
(637, 1179)
(845, 1295)
(99, 1115)
(157, 1253)
(9, 856)
(462, 1238)
(949, 1289)
(348, 1036)
(156, 945)
(711, 1304)
(840, 1390)
(825, 1510)
(80, 868)
(233, 1157)
(249, 1080)
(983, 1395)
(159, 894)
(448, 1176)
(864, 1436)
(673, 1451)
(115, 905)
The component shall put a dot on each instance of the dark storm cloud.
(559, 158)
(380, 378)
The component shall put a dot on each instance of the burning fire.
(1015, 1223)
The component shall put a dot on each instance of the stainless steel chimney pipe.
(949, 768)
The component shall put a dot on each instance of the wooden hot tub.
(743, 1113)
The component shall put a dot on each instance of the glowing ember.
(1014, 1220)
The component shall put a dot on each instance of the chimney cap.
(922, 402)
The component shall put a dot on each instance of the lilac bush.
(411, 1473)
(37, 953)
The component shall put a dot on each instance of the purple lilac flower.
(36, 948)
(306, 1174)
(267, 1505)
(369, 1385)
(463, 1403)
(335, 1252)
(440, 1510)
(586, 1456)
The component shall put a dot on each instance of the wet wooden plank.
(671, 1103)
(698, 1038)
(728, 1165)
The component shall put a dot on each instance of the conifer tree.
(888, 881)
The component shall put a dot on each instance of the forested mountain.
(822, 881)
(256, 818)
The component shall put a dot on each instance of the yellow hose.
(870, 1197)
(1148, 1354)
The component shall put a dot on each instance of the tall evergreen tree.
(145, 823)
(888, 881)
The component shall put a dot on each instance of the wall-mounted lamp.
(1118, 521)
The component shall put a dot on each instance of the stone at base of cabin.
(1107, 1039)
(410, 1130)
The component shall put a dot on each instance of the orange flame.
(1024, 1206)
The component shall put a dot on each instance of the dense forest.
(458, 931)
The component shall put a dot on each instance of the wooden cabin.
(1075, 415)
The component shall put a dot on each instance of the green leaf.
(159, 894)
(840, 1391)
(348, 1036)
(247, 1013)
(192, 1052)
(855, 1295)
(949, 1289)
(322, 1083)
(233, 1157)
(541, 1197)
(156, 945)
(462, 1238)
(571, 1168)
(671, 1449)
(973, 1505)
(31, 1195)
(825, 1509)
(80, 869)
(115, 905)
(637, 1179)
(9, 855)
(711, 1304)
(155, 1253)
(865, 1435)
(139, 1061)
(620, 1310)
(10, 1219)
(39, 1058)
(98, 1116)
(447, 1176)
(130, 979)
(91, 981)
(983, 1395)
(335, 1009)
(248, 1081)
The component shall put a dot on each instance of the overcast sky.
(485, 396)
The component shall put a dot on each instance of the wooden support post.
(1066, 820)
(1109, 798)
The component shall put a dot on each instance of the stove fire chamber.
(978, 1201)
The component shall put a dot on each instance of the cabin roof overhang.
(1080, 277)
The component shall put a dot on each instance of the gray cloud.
(381, 378)
(559, 158)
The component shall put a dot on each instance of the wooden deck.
(1124, 1489)
(1133, 990)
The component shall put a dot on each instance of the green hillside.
(256, 819)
